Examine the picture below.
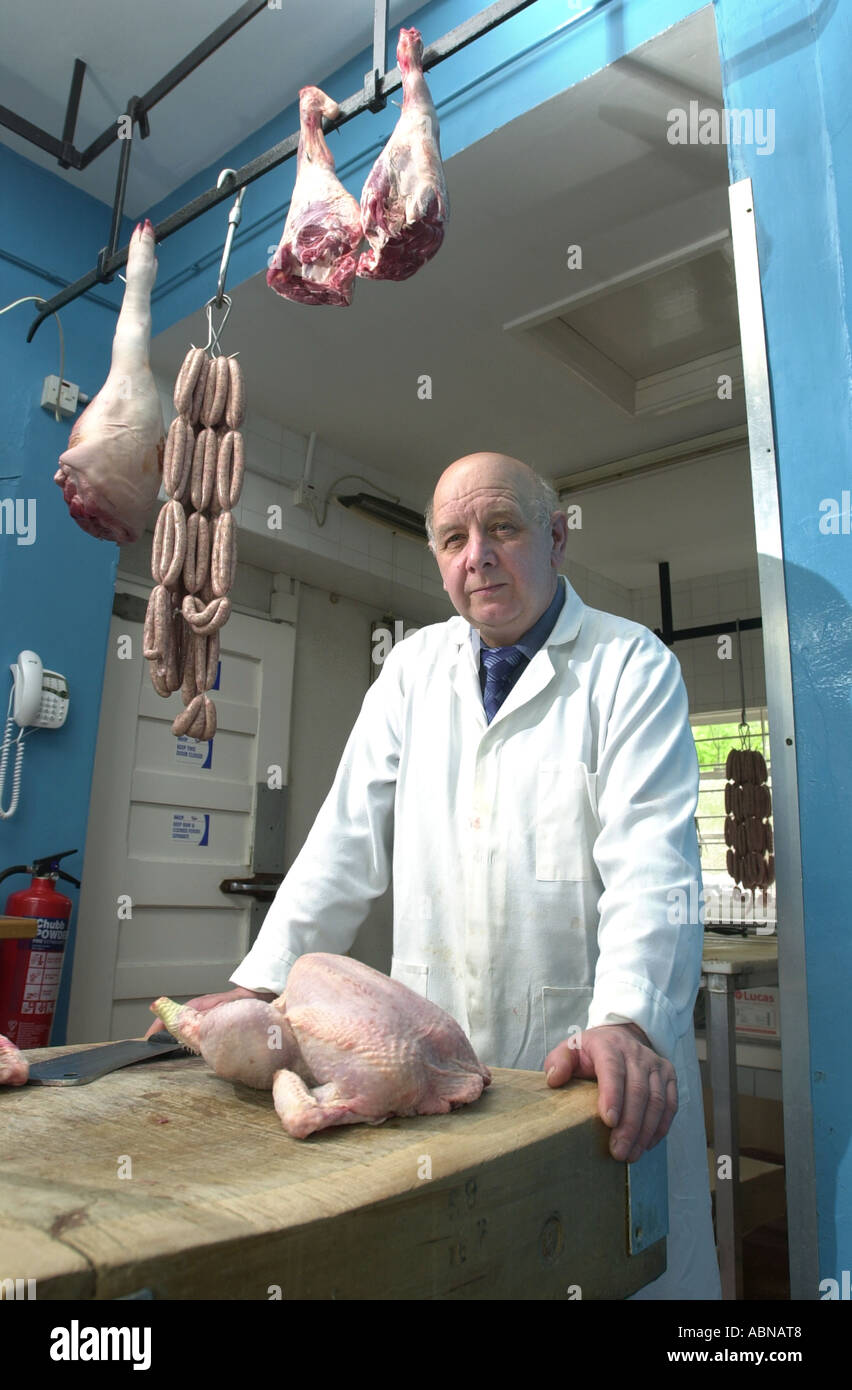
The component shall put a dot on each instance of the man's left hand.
(637, 1089)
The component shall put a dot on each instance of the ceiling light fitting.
(392, 514)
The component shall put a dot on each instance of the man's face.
(498, 564)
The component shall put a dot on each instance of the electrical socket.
(303, 495)
(63, 396)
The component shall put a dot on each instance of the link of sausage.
(236, 408)
(230, 469)
(216, 392)
(213, 649)
(180, 491)
(188, 689)
(200, 390)
(187, 379)
(157, 546)
(755, 835)
(172, 553)
(210, 718)
(199, 661)
(205, 660)
(187, 716)
(204, 469)
(158, 629)
(148, 628)
(176, 435)
(179, 441)
(174, 656)
(199, 724)
(209, 619)
(197, 564)
(224, 560)
(158, 681)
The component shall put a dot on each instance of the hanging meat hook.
(744, 729)
(213, 334)
(221, 299)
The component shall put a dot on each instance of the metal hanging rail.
(378, 85)
(64, 150)
(670, 635)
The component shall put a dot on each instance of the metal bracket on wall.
(371, 97)
(670, 635)
(374, 79)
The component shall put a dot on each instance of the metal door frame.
(796, 1054)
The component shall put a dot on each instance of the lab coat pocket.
(566, 824)
(415, 976)
(566, 1012)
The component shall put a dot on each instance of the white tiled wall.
(712, 681)
(762, 1082)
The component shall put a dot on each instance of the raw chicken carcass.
(110, 473)
(14, 1067)
(374, 1047)
(316, 258)
(243, 1040)
(342, 1045)
(404, 204)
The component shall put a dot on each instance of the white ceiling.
(128, 47)
(590, 167)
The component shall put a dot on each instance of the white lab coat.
(533, 862)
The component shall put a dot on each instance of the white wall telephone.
(39, 700)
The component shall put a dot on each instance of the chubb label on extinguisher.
(35, 984)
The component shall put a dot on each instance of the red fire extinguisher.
(30, 971)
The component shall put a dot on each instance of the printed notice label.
(188, 750)
(193, 830)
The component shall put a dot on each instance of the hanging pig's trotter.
(110, 473)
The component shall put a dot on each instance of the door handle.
(260, 886)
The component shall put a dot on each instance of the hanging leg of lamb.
(110, 473)
(343, 1045)
(316, 258)
(14, 1067)
(404, 204)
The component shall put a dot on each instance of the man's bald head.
(498, 534)
(538, 498)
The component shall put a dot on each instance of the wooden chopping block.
(161, 1176)
(23, 928)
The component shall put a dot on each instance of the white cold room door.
(169, 819)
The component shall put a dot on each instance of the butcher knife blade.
(79, 1068)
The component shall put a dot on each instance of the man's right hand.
(210, 1001)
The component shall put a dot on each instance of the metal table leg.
(722, 1057)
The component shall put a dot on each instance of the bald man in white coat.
(537, 821)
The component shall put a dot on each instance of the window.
(714, 736)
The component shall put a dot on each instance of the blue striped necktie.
(501, 665)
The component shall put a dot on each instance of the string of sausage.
(194, 555)
(748, 804)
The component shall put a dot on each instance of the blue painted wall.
(55, 594)
(784, 57)
(774, 55)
